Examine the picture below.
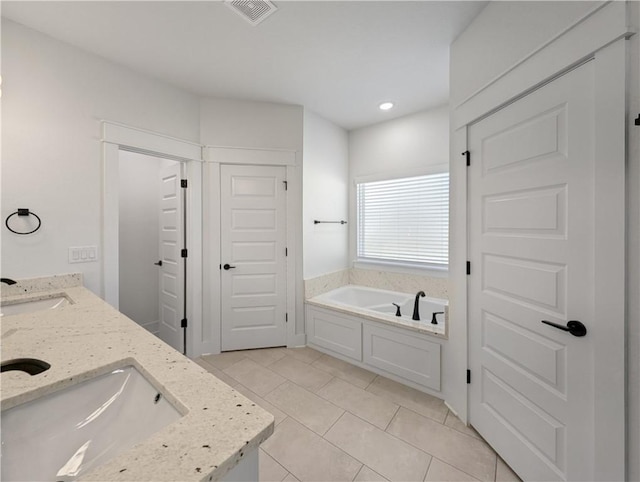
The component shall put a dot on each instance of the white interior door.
(532, 208)
(172, 264)
(253, 250)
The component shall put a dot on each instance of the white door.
(253, 250)
(172, 264)
(532, 208)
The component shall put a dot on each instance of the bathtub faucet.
(9, 281)
(416, 311)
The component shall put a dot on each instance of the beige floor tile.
(456, 424)
(461, 451)
(366, 405)
(269, 469)
(410, 398)
(278, 414)
(265, 356)
(441, 472)
(217, 373)
(385, 454)
(368, 475)
(504, 473)
(306, 407)
(348, 372)
(300, 373)
(308, 456)
(305, 354)
(290, 478)
(224, 360)
(255, 377)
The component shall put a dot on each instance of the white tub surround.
(376, 305)
(358, 324)
(87, 338)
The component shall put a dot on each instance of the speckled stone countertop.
(89, 338)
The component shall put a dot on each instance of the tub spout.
(416, 311)
(8, 281)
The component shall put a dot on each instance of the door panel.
(531, 227)
(253, 218)
(172, 268)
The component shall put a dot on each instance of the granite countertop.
(88, 338)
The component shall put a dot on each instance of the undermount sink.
(63, 435)
(28, 306)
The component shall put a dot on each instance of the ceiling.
(339, 59)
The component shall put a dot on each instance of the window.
(404, 221)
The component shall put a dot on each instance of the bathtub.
(360, 326)
(378, 305)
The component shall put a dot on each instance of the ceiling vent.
(253, 11)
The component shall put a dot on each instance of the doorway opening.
(152, 289)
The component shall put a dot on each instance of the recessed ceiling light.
(386, 105)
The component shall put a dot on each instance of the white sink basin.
(29, 306)
(63, 435)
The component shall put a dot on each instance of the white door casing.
(531, 247)
(253, 244)
(172, 268)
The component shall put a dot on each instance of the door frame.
(214, 157)
(117, 137)
(599, 36)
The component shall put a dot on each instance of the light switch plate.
(83, 254)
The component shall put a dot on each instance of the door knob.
(159, 263)
(574, 327)
(228, 266)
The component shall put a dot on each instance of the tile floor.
(338, 422)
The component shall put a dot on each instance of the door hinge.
(286, 251)
(286, 185)
(468, 267)
(286, 317)
(467, 154)
(183, 183)
(637, 121)
(183, 323)
(468, 376)
(183, 253)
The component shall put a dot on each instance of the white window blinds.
(404, 220)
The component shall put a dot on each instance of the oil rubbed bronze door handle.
(228, 266)
(574, 327)
(159, 263)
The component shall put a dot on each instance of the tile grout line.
(392, 419)
(276, 461)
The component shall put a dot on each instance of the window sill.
(404, 268)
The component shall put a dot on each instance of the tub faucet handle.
(434, 320)
(397, 309)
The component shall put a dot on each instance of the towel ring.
(23, 212)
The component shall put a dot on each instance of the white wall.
(240, 123)
(503, 34)
(139, 226)
(402, 145)
(325, 196)
(53, 98)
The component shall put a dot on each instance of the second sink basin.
(65, 434)
(28, 306)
